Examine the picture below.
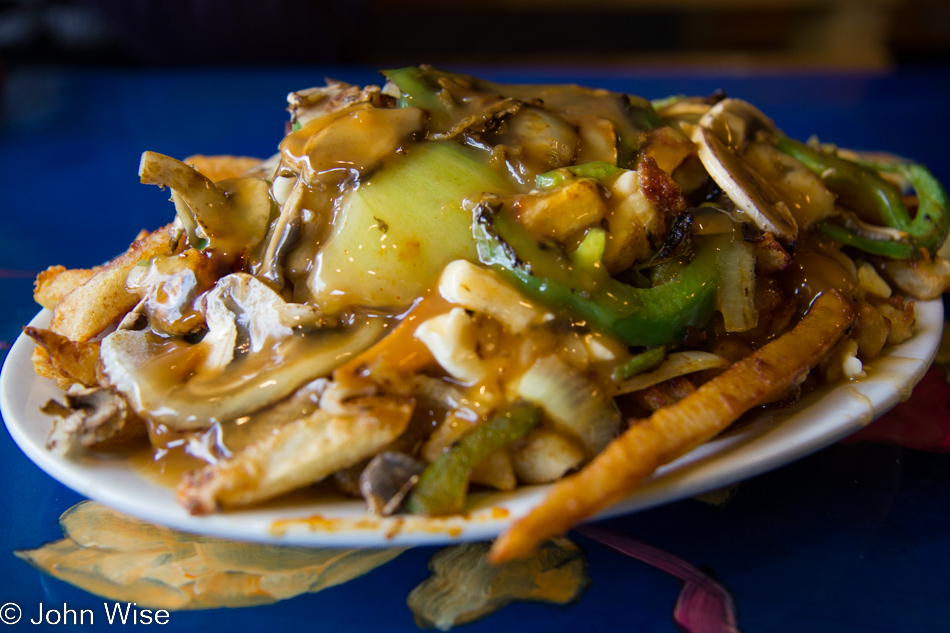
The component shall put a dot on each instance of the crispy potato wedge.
(44, 367)
(299, 453)
(674, 430)
(102, 300)
(77, 360)
(222, 166)
(56, 282)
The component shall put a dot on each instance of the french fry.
(102, 299)
(44, 367)
(56, 282)
(299, 453)
(75, 359)
(674, 430)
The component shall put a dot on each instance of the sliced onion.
(676, 364)
(574, 405)
(736, 260)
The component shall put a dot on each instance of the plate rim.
(756, 448)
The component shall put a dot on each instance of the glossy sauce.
(340, 158)
(817, 267)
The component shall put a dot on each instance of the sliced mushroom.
(805, 194)
(722, 136)
(91, 418)
(597, 136)
(251, 357)
(281, 236)
(754, 197)
(351, 140)
(738, 123)
(538, 141)
(480, 115)
(686, 110)
(387, 479)
(169, 287)
(313, 103)
(232, 214)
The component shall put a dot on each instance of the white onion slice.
(676, 364)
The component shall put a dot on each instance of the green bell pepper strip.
(443, 485)
(644, 361)
(860, 188)
(660, 315)
(871, 244)
(598, 170)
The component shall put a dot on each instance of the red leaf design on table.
(703, 606)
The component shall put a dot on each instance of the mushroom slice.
(479, 115)
(244, 314)
(356, 139)
(252, 357)
(723, 134)
(169, 287)
(738, 123)
(301, 452)
(313, 103)
(91, 418)
(755, 198)
(387, 479)
(537, 139)
(686, 110)
(232, 214)
(282, 235)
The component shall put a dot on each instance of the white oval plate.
(769, 440)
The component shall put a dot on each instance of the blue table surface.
(852, 538)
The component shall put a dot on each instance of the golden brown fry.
(56, 282)
(103, 299)
(674, 430)
(222, 166)
(75, 359)
(45, 368)
(299, 453)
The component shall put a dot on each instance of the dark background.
(877, 34)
